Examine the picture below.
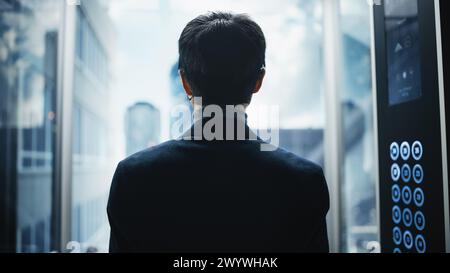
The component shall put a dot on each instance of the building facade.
(65, 57)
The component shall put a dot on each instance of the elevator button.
(395, 172)
(419, 220)
(405, 150)
(397, 235)
(396, 193)
(408, 239)
(419, 197)
(394, 151)
(417, 150)
(396, 214)
(421, 245)
(407, 217)
(406, 173)
(418, 174)
(406, 195)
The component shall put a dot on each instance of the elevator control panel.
(411, 182)
(408, 197)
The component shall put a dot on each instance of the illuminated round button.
(406, 173)
(395, 172)
(394, 151)
(405, 150)
(396, 215)
(417, 150)
(397, 235)
(396, 193)
(421, 245)
(406, 195)
(408, 240)
(397, 250)
(417, 174)
(419, 220)
(407, 217)
(419, 197)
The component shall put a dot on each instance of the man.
(226, 193)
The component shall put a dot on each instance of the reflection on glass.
(358, 205)
(28, 77)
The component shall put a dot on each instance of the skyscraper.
(142, 127)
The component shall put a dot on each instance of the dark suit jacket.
(217, 196)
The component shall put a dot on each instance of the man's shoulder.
(174, 150)
(146, 157)
(294, 162)
(298, 171)
(303, 176)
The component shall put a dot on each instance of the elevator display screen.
(403, 49)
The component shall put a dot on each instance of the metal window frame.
(333, 121)
(375, 117)
(63, 167)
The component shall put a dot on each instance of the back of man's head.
(222, 56)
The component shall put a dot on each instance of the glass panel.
(28, 78)
(125, 88)
(358, 203)
(112, 121)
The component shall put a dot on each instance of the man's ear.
(186, 86)
(259, 82)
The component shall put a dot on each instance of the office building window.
(28, 84)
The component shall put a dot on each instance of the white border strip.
(443, 124)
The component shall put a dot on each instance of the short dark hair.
(222, 56)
